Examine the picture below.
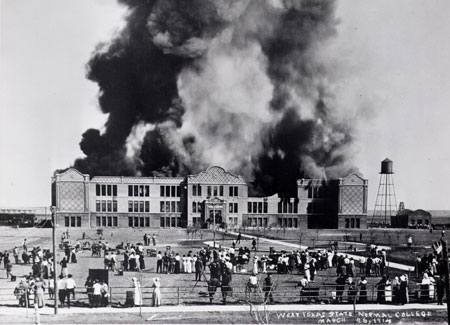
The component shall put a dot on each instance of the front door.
(218, 215)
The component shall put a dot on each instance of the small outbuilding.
(408, 218)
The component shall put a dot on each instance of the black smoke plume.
(236, 83)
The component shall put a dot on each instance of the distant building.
(22, 216)
(212, 196)
(408, 218)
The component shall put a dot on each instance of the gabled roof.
(216, 175)
(72, 174)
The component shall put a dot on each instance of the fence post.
(26, 300)
(110, 296)
(178, 295)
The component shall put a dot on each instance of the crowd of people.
(351, 284)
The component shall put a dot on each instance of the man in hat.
(70, 288)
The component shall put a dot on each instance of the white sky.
(398, 54)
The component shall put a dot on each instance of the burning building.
(242, 84)
(213, 196)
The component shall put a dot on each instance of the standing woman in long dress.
(156, 293)
(189, 264)
(177, 263)
(183, 269)
(137, 292)
(255, 264)
(194, 259)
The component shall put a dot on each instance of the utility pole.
(447, 289)
(55, 282)
(214, 224)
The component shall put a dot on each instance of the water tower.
(385, 204)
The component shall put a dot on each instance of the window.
(98, 222)
(174, 209)
(235, 221)
(72, 221)
(168, 191)
(255, 207)
(221, 190)
(161, 191)
(114, 190)
(161, 222)
(147, 221)
(179, 209)
(352, 223)
(130, 190)
(130, 206)
(290, 222)
(347, 223)
(178, 191)
(141, 222)
(358, 223)
(104, 221)
(130, 221)
(97, 205)
(66, 221)
(141, 206)
(173, 222)
(215, 190)
(109, 221)
(259, 222)
(295, 223)
(290, 207)
(109, 206)
(141, 191)
(295, 207)
(265, 207)
(280, 207)
(147, 190)
(147, 206)
(97, 189)
(209, 190)
(167, 206)
(174, 191)
(103, 205)
(259, 207)
(249, 207)
(136, 190)
(136, 206)
(103, 190)
(162, 207)
(197, 190)
(136, 221)
(233, 191)
(230, 207)
(114, 221)
(114, 206)
(109, 188)
(265, 220)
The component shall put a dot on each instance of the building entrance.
(215, 212)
